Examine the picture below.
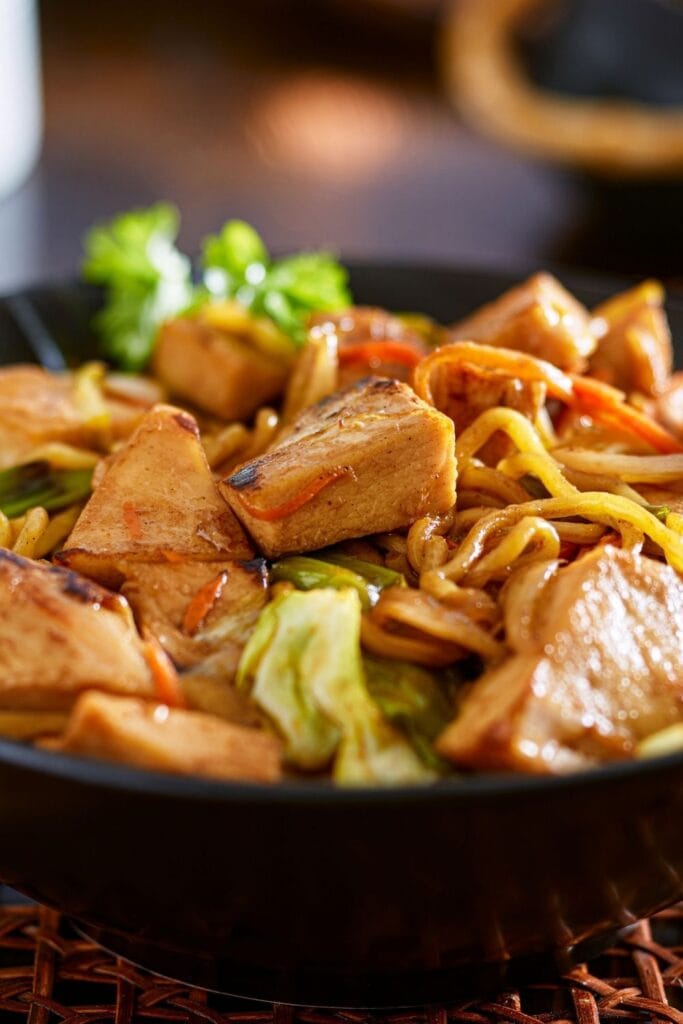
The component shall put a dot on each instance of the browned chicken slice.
(602, 668)
(195, 609)
(360, 332)
(370, 458)
(538, 316)
(60, 634)
(156, 502)
(153, 736)
(37, 407)
(669, 406)
(634, 350)
(210, 687)
(218, 371)
(465, 391)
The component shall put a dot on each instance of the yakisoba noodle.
(237, 443)
(314, 377)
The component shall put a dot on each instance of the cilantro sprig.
(237, 266)
(148, 280)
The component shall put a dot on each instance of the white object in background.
(21, 120)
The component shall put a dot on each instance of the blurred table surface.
(322, 122)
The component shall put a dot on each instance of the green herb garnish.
(237, 266)
(147, 280)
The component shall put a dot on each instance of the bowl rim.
(449, 790)
(484, 785)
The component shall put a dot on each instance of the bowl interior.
(52, 325)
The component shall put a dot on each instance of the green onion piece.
(314, 574)
(378, 575)
(38, 483)
(534, 486)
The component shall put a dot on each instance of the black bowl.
(306, 894)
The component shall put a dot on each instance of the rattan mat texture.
(49, 975)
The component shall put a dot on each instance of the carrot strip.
(308, 492)
(173, 556)
(163, 673)
(374, 353)
(202, 603)
(132, 521)
(608, 407)
(489, 357)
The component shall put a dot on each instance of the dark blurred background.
(328, 123)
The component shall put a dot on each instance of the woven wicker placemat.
(48, 974)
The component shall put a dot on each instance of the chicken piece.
(197, 608)
(218, 371)
(209, 687)
(60, 634)
(159, 738)
(601, 668)
(634, 350)
(668, 409)
(37, 407)
(370, 458)
(156, 502)
(538, 316)
(465, 391)
(360, 333)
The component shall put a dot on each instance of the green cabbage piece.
(415, 700)
(303, 668)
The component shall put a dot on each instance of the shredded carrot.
(173, 556)
(306, 494)
(163, 673)
(607, 406)
(132, 521)
(506, 361)
(374, 353)
(202, 603)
